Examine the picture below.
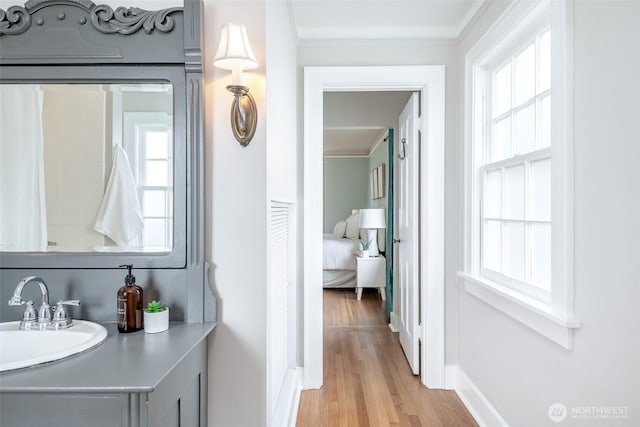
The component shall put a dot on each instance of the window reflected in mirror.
(86, 167)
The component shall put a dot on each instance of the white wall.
(237, 230)
(519, 371)
(282, 134)
(405, 52)
(241, 184)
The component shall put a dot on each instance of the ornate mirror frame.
(76, 41)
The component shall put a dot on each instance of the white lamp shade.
(234, 50)
(372, 218)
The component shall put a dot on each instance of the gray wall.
(346, 187)
(380, 156)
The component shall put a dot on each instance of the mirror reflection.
(93, 170)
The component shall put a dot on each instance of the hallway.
(367, 381)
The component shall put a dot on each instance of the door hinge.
(419, 332)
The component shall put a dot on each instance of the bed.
(339, 261)
(339, 249)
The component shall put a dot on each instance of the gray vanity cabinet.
(137, 380)
(178, 399)
(176, 402)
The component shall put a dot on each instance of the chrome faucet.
(43, 320)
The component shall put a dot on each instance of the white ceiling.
(351, 142)
(382, 19)
(354, 122)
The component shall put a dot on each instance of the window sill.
(528, 311)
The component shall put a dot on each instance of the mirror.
(93, 171)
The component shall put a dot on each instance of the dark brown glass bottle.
(130, 318)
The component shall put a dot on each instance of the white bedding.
(338, 278)
(338, 253)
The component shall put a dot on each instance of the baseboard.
(450, 372)
(286, 411)
(293, 414)
(480, 408)
(394, 323)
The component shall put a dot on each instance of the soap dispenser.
(130, 317)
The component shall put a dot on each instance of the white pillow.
(353, 227)
(340, 229)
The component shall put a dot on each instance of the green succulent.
(155, 307)
(365, 244)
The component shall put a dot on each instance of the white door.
(407, 155)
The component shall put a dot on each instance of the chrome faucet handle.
(44, 313)
(75, 302)
(17, 300)
(29, 318)
(61, 319)
(29, 312)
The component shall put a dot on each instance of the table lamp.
(372, 220)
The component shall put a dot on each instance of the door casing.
(429, 80)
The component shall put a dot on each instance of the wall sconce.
(235, 54)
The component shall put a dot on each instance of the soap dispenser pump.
(130, 296)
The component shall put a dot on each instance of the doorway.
(429, 82)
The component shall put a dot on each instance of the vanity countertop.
(123, 363)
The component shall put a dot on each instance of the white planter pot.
(364, 254)
(156, 322)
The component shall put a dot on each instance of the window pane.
(155, 232)
(491, 244)
(545, 122)
(170, 203)
(157, 145)
(502, 93)
(514, 249)
(501, 144)
(540, 241)
(540, 190)
(153, 203)
(492, 194)
(156, 173)
(525, 76)
(525, 131)
(514, 192)
(545, 62)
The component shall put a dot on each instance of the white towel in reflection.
(120, 216)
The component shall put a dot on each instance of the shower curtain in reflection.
(23, 216)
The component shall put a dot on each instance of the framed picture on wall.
(381, 180)
(372, 187)
(375, 184)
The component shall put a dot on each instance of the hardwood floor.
(367, 380)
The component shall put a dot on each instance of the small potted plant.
(156, 318)
(364, 253)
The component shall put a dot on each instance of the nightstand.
(371, 273)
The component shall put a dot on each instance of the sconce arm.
(244, 114)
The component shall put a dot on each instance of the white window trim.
(555, 320)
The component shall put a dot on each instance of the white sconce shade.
(372, 218)
(234, 50)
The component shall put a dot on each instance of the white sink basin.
(19, 349)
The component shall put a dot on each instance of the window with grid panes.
(515, 170)
(154, 154)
